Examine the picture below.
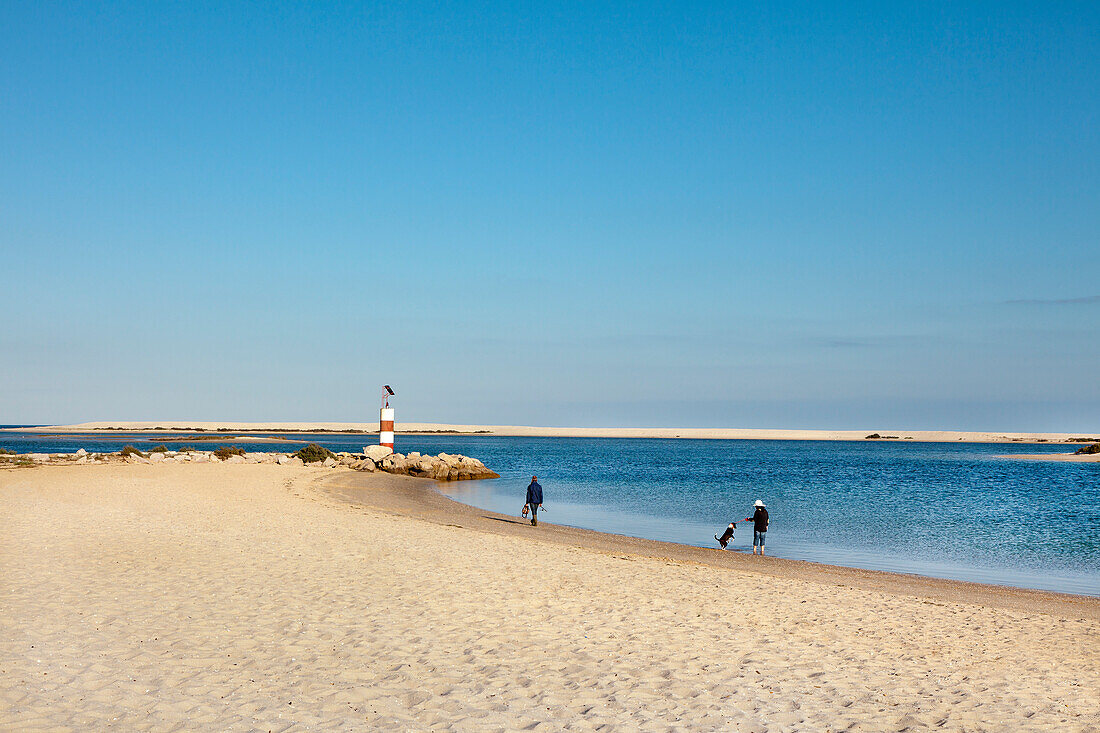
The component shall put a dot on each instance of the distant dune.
(882, 435)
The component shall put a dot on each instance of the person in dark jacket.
(534, 500)
(759, 521)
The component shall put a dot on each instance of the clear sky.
(631, 214)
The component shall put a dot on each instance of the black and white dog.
(727, 535)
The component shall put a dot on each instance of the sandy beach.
(928, 436)
(263, 597)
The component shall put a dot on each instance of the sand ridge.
(933, 436)
(241, 597)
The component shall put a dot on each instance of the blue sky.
(795, 215)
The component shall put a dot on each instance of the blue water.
(945, 510)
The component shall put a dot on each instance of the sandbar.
(1066, 457)
(927, 436)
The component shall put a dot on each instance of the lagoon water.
(946, 510)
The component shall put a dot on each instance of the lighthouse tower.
(385, 419)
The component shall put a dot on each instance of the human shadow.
(501, 519)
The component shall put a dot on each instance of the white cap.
(758, 503)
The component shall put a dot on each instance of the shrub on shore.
(228, 450)
(130, 450)
(159, 449)
(1088, 450)
(313, 453)
(6, 452)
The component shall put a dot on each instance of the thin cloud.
(845, 343)
(852, 342)
(1087, 300)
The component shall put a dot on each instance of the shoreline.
(371, 428)
(258, 597)
(1064, 457)
(420, 498)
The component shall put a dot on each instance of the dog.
(724, 540)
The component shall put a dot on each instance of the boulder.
(295, 461)
(444, 467)
(366, 465)
(156, 457)
(81, 453)
(329, 462)
(235, 459)
(394, 463)
(377, 452)
(418, 465)
(40, 457)
(450, 459)
(283, 459)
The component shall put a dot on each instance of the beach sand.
(927, 436)
(261, 597)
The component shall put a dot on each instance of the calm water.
(946, 510)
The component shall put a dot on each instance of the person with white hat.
(759, 521)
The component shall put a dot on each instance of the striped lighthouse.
(385, 419)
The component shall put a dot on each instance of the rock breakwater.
(442, 467)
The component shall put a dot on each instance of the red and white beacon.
(385, 419)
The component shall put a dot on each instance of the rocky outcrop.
(443, 467)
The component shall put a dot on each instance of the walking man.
(759, 521)
(534, 500)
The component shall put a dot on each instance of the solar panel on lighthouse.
(385, 419)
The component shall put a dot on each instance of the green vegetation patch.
(1088, 450)
(227, 451)
(160, 449)
(130, 450)
(313, 453)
